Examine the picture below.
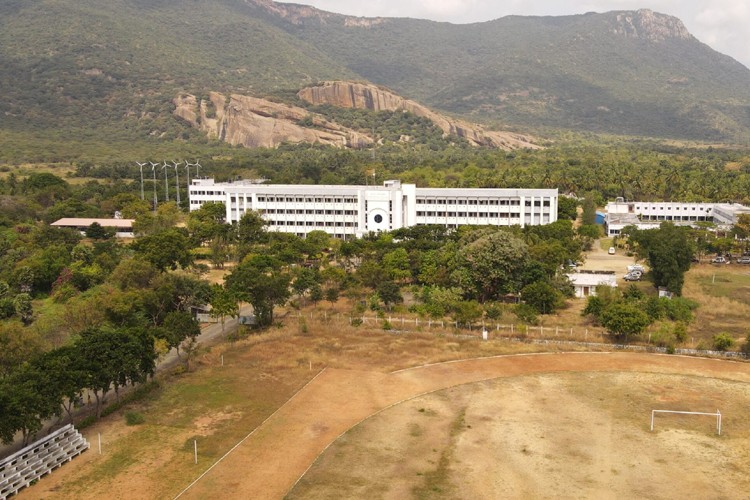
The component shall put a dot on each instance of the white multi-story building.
(351, 211)
(648, 214)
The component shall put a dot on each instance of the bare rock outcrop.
(253, 122)
(371, 97)
(649, 25)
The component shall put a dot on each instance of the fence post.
(557, 331)
(586, 337)
(511, 328)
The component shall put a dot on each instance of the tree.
(165, 250)
(624, 318)
(332, 295)
(28, 399)
(113, 358)
(24, 307)
(543, 297)
(96, 232)
(250, 231)
(567, 208)
(467, 311)
(261, 282)
(669, 251)
(207, 223)
(493, 265)
(390, 293)
(17, 346)
(178, 327)
(223, 304)
(396, 264)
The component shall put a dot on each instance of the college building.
(352, 211)
(648, 214)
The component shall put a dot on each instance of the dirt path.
(280, 451)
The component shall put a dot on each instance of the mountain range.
(108, 72)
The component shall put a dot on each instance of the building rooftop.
(83, 222)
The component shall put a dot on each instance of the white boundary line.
(245, 438)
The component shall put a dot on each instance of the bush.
(387, 325)
(526, 313)
(134, 418)
(722, 341)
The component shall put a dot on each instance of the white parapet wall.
(22, 468)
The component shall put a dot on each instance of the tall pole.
(187, 175)
(140, 167)
(177, 181)
(166, 181)
(153, 169)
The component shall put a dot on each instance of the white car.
(719, 260)
(611, 250)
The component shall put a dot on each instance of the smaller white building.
(650, 214)
(585, 282)
(123, 227)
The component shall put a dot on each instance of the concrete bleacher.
(24, 467)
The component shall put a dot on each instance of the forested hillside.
(88, 79)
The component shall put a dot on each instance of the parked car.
(633, 276)
(720, 260)
(611, 250)
(743, 260)
(636, 267)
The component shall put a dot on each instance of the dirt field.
(283, 448)
(567, 435)
(155, 460)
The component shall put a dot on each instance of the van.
(611, 250)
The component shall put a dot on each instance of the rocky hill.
(370, 97)
(79, 75)
(252, 122)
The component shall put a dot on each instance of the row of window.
(308, 212)
(310, 223)
(206, 193)
(687, 218)
(702, 209)
(456, 201)
(482, 215)
(303, 199)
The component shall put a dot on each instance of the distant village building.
(123, 227)
(649, 215)
(352, 211)
(585, 282)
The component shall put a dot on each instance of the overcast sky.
(722, 24)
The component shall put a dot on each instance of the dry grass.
(724, 297)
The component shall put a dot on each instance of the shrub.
(387, 325)
(680, 331)
(526, 313)
(722, 341)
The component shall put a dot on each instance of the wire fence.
(589, 337)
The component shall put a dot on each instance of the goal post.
(717, 415)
